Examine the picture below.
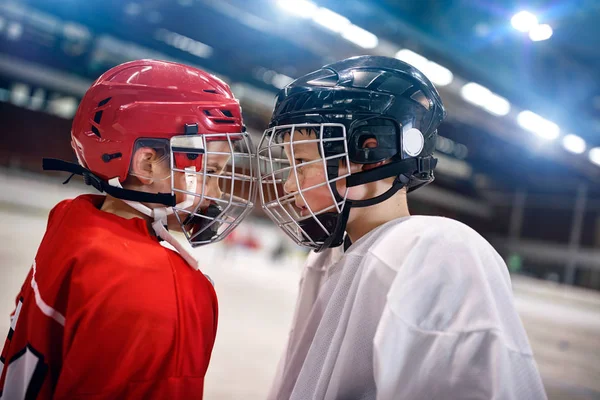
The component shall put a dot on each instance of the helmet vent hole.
(98, 117)
(210, 91)
(96, 131)
(420, 98)
(103, 102)
(227, 113)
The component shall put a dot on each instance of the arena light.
(63, 106)
(184, 43)
(14, 31)
(574, 144)
(74, 31)
(300, 8)
(485, 98)
(331, 20)
(540, 32)
(280, 81)
(37, 99)
(19, 94)
(414, 59)
(497, 105)
(594, 155)
(474, 93)
(360, 36)
(524, 21)
(538, 125)
(460, 151)
(438, 74)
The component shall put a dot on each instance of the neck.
(118, 207)
(364, 220)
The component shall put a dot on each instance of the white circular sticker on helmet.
(412, 141)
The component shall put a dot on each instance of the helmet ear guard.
(384, 130)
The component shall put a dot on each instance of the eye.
(298, 161)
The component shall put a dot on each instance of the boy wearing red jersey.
(107, 311)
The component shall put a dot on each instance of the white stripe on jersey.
(45, 308)
(15, 317)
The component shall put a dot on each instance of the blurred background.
(519, 154)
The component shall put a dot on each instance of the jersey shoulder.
(57, 212)
(428, 234)
(447, 277)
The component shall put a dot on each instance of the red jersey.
(106, 312)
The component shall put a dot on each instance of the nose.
(290, 183)
(213, 190)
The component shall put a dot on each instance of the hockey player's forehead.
(297, 135)
(303, 139)
(218, 153)
(217, 146)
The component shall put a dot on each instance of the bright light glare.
(524, 21)
(64, 107)
(184, 43)
(412, 58)
(497, 105)
(439, 75)
(301, 8)
(538, 125)
(474, 93)
(594, 155)
(331, 20)
(574, 144)
(75, 31)
(14, 30)
(20, 94)
(540, 32)
(360, 37)
(436, 73)
(280, 81)
(485, 98)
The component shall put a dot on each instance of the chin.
(174, 226)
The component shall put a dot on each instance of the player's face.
(207, 185)
(307, 174)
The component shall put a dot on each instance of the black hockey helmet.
(351, 101)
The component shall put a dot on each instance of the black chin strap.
(377, 199)
(410, 166)
(337, 235)
(52, 164)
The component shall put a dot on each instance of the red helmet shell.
(147, 99)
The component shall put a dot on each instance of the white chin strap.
(159, 215)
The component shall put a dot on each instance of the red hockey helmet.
(184, 111)
(147, 99)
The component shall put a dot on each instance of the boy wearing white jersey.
(411, 307)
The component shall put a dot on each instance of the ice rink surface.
(257, 299)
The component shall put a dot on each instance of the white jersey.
(419, 308)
